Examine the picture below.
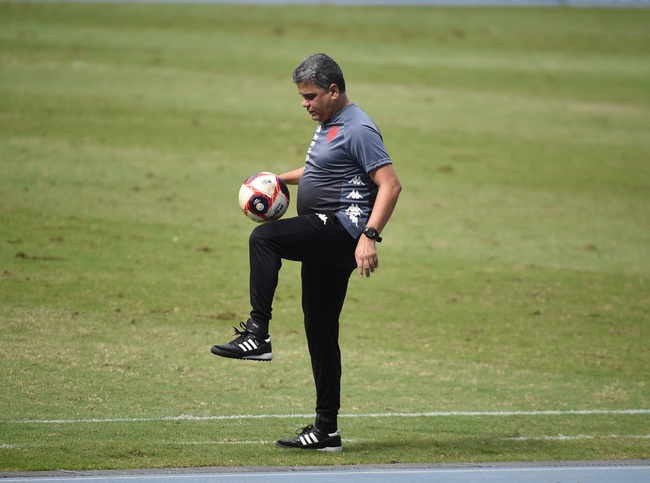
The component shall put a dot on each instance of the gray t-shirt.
(342, 153)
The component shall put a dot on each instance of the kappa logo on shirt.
(356, 181)
(354, 212)
(313, 143)
(331, 134)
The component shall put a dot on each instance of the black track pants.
(326, 251)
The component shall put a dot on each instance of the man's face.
(320, 104)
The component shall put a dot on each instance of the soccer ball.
(264, 197)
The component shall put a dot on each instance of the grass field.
(514, 286)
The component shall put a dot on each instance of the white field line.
(173, 443)
(562, 437)
(559, 438)
(188, 417)
(199, 443)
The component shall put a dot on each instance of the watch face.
(370, 232)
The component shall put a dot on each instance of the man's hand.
(366, 256)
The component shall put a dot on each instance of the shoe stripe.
(307, 439)
(249, 345)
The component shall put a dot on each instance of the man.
(347, 191)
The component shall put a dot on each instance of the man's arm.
(292, 177)
(390, 187)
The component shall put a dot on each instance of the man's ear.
(334, 91)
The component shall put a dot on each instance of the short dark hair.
(321, 70)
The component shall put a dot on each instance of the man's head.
(320, 70)
(321, 85)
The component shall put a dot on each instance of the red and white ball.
(264, 197)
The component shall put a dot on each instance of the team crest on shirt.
(331, 134)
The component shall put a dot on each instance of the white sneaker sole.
(260, 357)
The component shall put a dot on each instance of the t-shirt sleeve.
(366, 146)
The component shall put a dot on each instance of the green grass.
(515, 273)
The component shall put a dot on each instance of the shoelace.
(242, 333)
(305, 430)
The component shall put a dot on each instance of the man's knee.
(259, 234)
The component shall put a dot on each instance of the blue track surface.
(599, 472)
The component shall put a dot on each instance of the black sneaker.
(312, 438)
(246, 346)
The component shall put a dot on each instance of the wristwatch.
(372, 233)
